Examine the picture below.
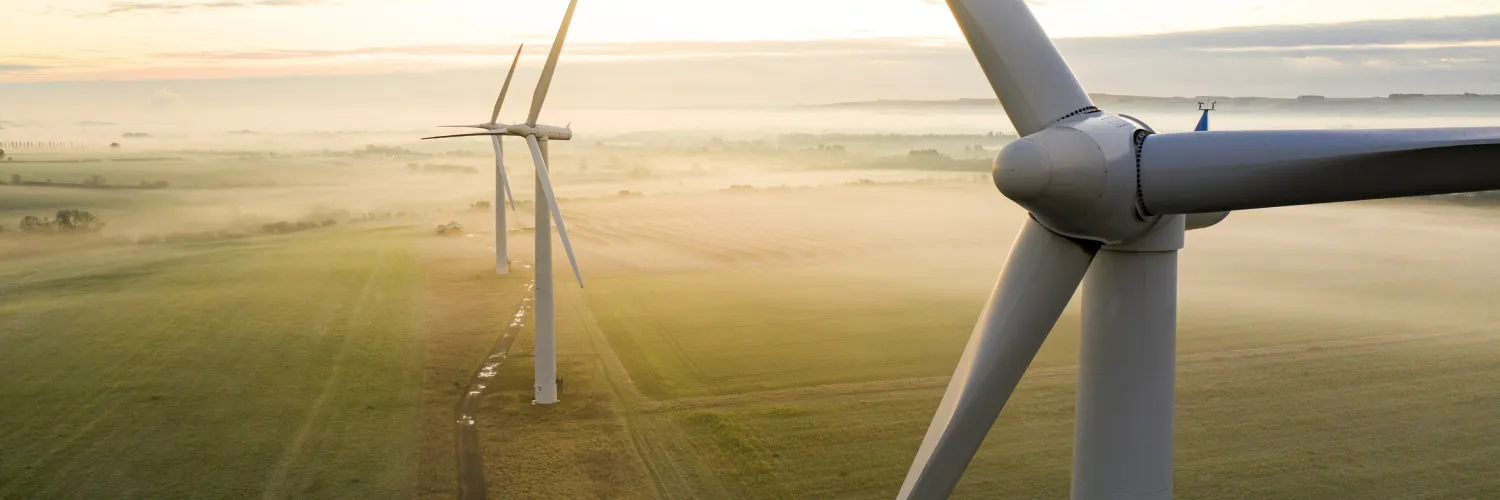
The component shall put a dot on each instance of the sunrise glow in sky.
(73, 40)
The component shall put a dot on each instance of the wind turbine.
(502, 183)
(1109, 201)
(537, 136)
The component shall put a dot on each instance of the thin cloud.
(1414, 33)
(1455, 54)
(16, 68)
(1409, 35)
(122, 7)
(1443, 55)
(1363, 46)
(868, 46)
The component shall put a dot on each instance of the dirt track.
(471, 485)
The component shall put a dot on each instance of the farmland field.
(794, 343)
(214, 371)
(316, 365)
(749, 342)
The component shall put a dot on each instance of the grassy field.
(578, 448)
(763, 343)
(319, 365)
(324, 364)
(797, 349)
(220, 371)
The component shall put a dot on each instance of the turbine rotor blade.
(562, 230)
(1039, 278)
(500, 171)
(1029, 76)
(1200, 172)
(551, 67)
(495, 133)
(495, 115)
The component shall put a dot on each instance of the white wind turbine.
(502, 183)
(1109, 201)
(537, 136)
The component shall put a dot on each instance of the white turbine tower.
(502, 183)
(1108, 201)
(537, 136)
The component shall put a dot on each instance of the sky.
(208, 58)
(134, 39)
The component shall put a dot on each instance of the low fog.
(846, 188)
(807, 259)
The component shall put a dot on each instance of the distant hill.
(1451, 104)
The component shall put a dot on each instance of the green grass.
(1273, 405)
(763, 328)
(271, 368)
(1361, 422)
(578, 448)
(1358, 378)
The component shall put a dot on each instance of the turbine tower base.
(545, 388)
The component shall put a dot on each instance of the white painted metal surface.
(1122, 433)
(1216, 171)
(1031, 79)
(1077, 178)
(550, 69)
(545, 370)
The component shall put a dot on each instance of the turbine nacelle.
(1078, 177)
(542, 132)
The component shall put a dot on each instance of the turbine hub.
(1022, 170)
(1078, 178)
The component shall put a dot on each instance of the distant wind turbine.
(537, 136)
(502, 182)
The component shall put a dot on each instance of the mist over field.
(774, 300)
